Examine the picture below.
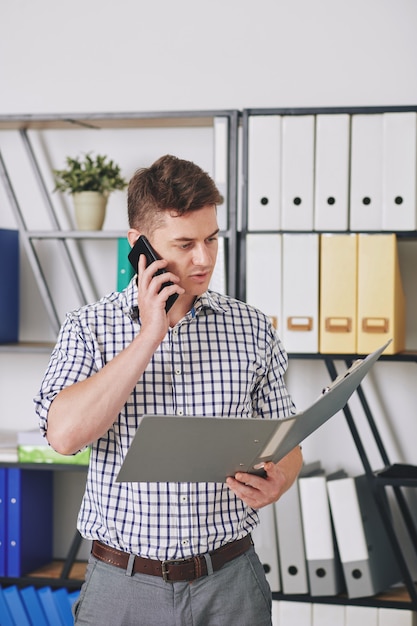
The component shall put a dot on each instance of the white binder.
(366, 172)
(264, 172)
(300, 292)
(361, 615)
(331, 204)
(263, 258)
(291, 550)
(399, 205)
(220, 166)
(297, 172)
(368, 560)
(328, 615)
(265, 540)
(394, 617)
(294, 613)
(323, 564)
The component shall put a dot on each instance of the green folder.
(125, 271)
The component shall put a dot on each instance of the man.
(168, 553)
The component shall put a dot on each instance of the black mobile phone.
(142, 246)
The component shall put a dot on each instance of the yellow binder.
(338, 293)
(381, 301)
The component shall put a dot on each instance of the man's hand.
(256, 491)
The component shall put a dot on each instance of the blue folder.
(33, 606)
(5, 615)
(3, 520)
(63, 606)
(9, 285)
(29, 520)
(49, 606)
(16, 607)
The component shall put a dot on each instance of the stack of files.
(338, 293)
(9, 284)
(36, 607)
(28, 531)
(323, 562)
(367, 557)
(265, 540)
(361, 296)
(291, 549)
(381, 301)
(383, 192)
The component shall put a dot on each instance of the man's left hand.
(257, 491)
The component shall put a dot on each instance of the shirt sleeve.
(72, 360)
(272, 398)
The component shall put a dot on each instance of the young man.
(168, 553)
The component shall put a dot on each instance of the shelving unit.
(405, 598)
(70, 573)
(94, 122)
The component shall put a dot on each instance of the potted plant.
(90, 181)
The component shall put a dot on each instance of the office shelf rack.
(405, 598)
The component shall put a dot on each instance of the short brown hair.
(169, 184)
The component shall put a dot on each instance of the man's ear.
(132, 236)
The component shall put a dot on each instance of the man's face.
(189, 243)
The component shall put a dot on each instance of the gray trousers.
(236, 595)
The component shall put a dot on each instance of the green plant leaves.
(89, 174)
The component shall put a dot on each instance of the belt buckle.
(166, 564)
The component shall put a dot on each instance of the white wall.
(136, 55)
(97, 55)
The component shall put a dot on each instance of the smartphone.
(142, 246)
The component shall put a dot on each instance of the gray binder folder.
(168, 448)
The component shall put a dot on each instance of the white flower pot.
(90, 209)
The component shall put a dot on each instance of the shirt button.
(184, 499)
(180, 412)
(178, 370)
(185, 542)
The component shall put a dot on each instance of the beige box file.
(381, 301)
(338, 293)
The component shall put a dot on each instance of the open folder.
(167, 448)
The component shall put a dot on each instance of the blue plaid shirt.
(224, 359)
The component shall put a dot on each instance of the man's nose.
(201, 255)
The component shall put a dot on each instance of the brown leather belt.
(176, 570)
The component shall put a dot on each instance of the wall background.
(95, 55)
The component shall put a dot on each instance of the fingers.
(256, 491)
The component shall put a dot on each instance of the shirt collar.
(208, 300)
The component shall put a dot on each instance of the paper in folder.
(168, 448)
